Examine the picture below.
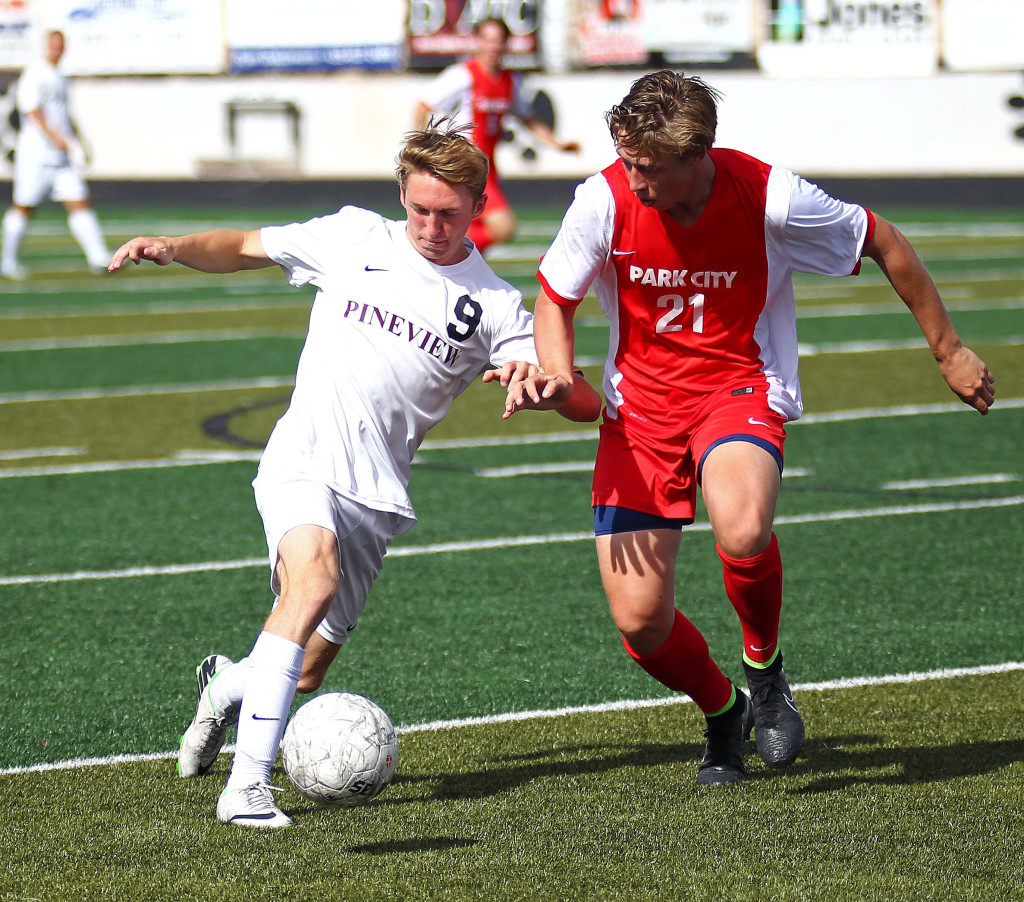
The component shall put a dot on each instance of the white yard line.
(437, 726)
(504, 542)
(950, 481)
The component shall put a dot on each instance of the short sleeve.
(305, 250)
(821, 234)
(583, 243)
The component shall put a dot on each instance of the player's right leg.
(638, 572)
(308, 574)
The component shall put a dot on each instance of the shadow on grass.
(832, 765)
(840, 764)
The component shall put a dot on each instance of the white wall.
(950, 124)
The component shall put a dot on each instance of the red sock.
(480, 235)
(754, 586)
(684, 664)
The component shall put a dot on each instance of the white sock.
(85, 226)
(228, 687)
(275, 665)
(14, 225)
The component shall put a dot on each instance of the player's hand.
(539, 391)
(156, 250)
(511, 373)
(965, 372)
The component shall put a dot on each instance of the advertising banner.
(138, 37)
(19, 38)
(441, 31)
(982, 34)
(700, 30)
(304, 35)
(849, 38)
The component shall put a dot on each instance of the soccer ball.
(340, 749)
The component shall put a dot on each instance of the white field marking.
(163, 307)
(575, 466)
(909, 344)
(115, 466)
(29, 453)
(140, 391)
(152, 338)
(991, 479)
(446, 444)
(438, 726)
(505, 542)
(902, 410)
(198, 457)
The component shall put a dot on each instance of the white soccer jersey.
(43, 87)
(393, 339)
(691, 308)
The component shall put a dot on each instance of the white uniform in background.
(393, 340)
(41, 170)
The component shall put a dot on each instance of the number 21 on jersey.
(677, 304)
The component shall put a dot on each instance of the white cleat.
(202, 740)
(251, 806)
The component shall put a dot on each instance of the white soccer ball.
(340, 749)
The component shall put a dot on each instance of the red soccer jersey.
(492, 97)
(694, 309)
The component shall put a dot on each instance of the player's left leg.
(740, 479)
(85, 227)
(12, 231)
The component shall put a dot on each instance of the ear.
(401, 195)
(480, 205)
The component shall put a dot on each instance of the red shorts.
(660, 475)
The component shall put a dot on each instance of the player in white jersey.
(47, 163)
(691, 251)
(407, 314)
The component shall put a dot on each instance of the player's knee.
(643, 635)
(745, 538)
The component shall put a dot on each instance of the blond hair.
(443, 150)
(666, 115)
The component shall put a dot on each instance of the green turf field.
(537, 762)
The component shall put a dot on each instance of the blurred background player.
(479, 91)
(691, 251)
(48, 162)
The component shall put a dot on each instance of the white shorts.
(363, 535)
(33, 183)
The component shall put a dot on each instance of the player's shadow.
(521, 769)
(841, 762)
(425, 844)
(834, 764)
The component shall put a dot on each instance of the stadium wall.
(347, 126)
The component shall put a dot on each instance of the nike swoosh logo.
(763, 648)
(619, 253)
(374, 269)
(257, 717)
(754, 422)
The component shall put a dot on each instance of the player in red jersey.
(690, 251)
(481, 92)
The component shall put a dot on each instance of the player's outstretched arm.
(557, 385)
(217, 251)
(964, 372)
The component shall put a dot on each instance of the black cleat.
(777, 722)
(723, 751)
